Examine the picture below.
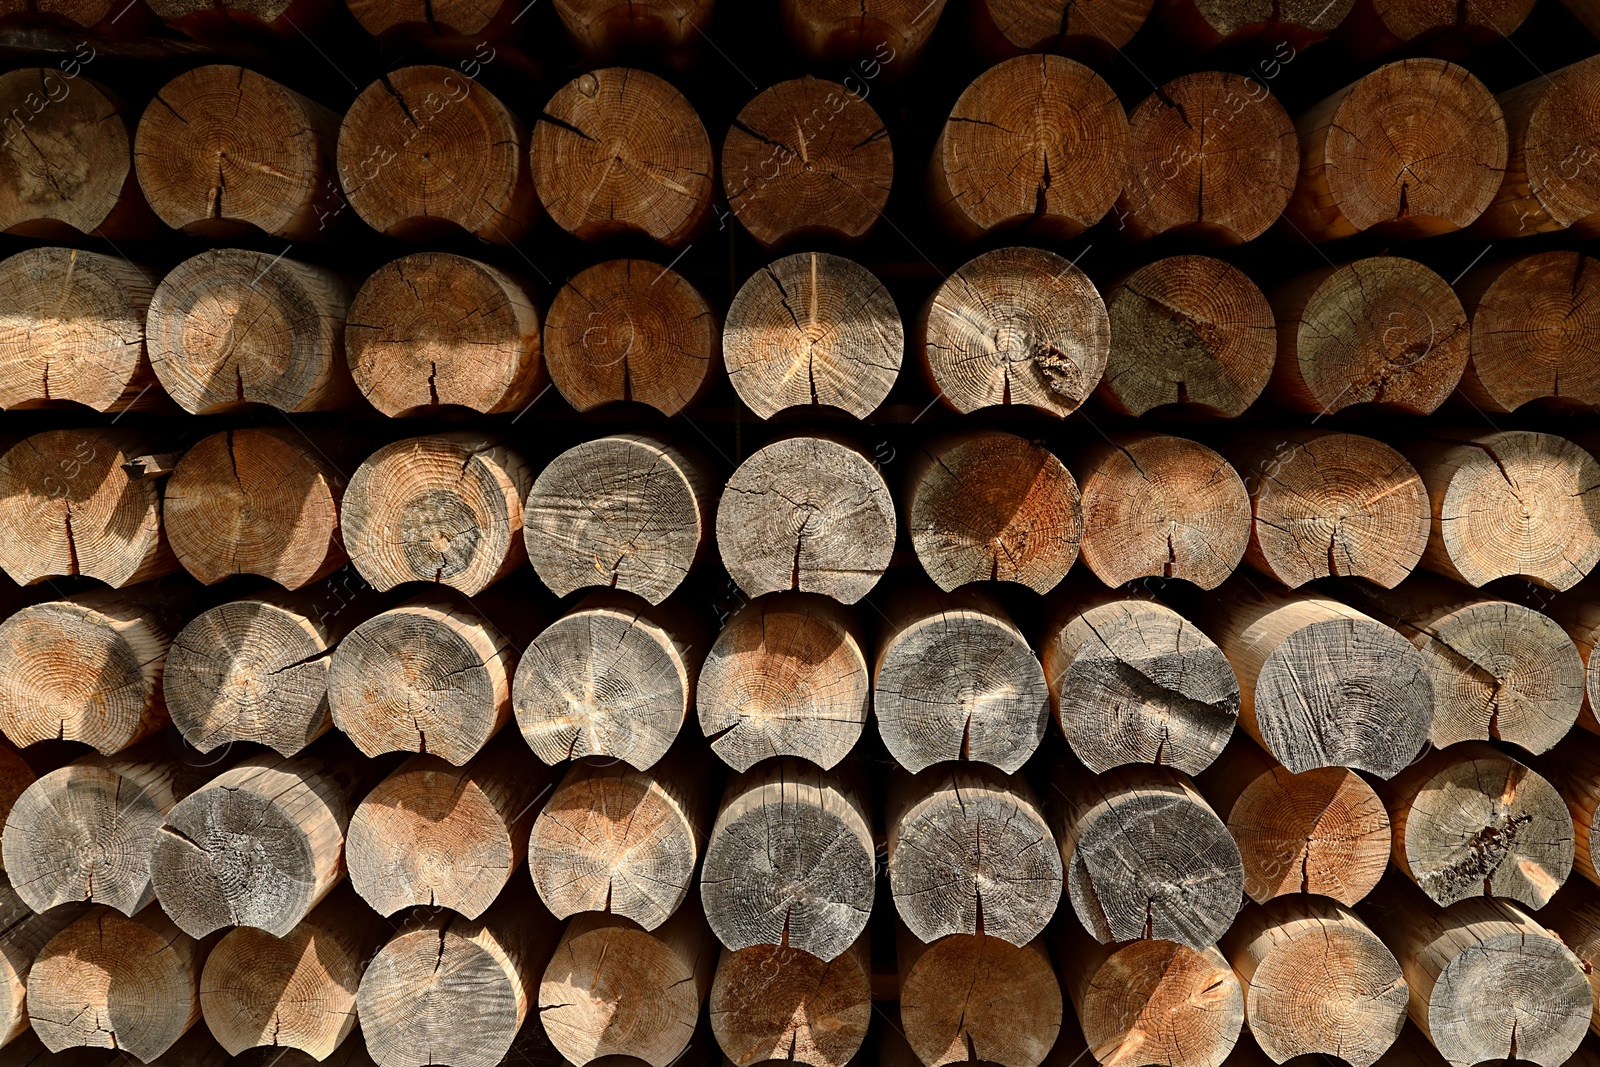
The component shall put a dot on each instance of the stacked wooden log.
(1012, 531)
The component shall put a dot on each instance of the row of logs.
(1015, 326)
(1040, 143)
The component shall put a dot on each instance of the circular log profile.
(630, 329)
(612, 989)
(1223, 181)
(1317, 980)
(1484, 976)
(1513, 503)
(1163, 507)
(772, 1003)
(1546, 119)
(1535, 332)
(108, 981)
(1320, 683)
(426, 151)
(625, 842)
(1384, 330)
(231, 327)
(432, 675)
(1413, 149)
(786, 677)
(259, 845)
(1187, 330)
(810, 514)
(956, 679)
(86, 668)
(442, 836)
(22, 934)
(843, 32)
(1132, 681)
(790, 862)
(810, 159)
(1145, 857)
(620, 151)
(1328, 504)
(1470, 821)
(1208, 25)
(434, 329)
(260, 501)
(1322, 831)
(1151, 1003)
(630, 512)
(1378, 27)
(66, 161)
(605, 29)
(445, 19)
(974, 997)
(446, 508)
(223, 152)
(74, 331)
(613, 677)
(813, 328)
(67, 507)
(1014, 326)
(1038, 143)
(969, 852)
(1003, 28)
(990, 506)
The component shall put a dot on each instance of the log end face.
(1322, 831)
(1155, 1003)
(1518, 995)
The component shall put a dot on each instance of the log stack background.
(852, 533)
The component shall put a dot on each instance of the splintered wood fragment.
(434, 329)
(1330, 505)
(631, 512)
(1323, 831)
(66, 161)
(432, 675)
(1378, 27)
(810, 514)
(1501, 671)
(23, 933)
(974, 997)
(813, 328)
(786, 677)
(1316, 981)
(1320, 683)
(625, 842)
(810, 159)
(630, 329)
(1551, 183)
(1017, 326)
(446, 837)
(109, 981)
(780, 1003)
(452, 990)
(956, 679)
(620, 151)
(1413, 149)
(1384, 330)
(1510, 503)
(613, 989)
(1037, 143)
(1145, 856)
(1535, 331)
(1150, 1003)
(446, 508)
(75, 331)
(425, 152)
(1132, 681)
(293, 992)
(231, 327)
(68, 508)
(867, 34)
(969, 852)
(1470, 821)
(790, 861)
(1160, 506)
(991, 506)
(223, 153)
(1486, 981)
(1003, 28)
(1224, 182)
(606, 29)
(1187, 330)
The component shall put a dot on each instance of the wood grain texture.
(970, 996)
(1378, 27)
(891, 33)
(605, 29)
(1550, 183)
(1535, 331)
(23, 933)
(774, 1003)
(1003, 28)
(1574, 770)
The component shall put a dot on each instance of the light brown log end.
(607, 29)
(1007, 27)
(771, 1003)
(969, 996)
(1535, 332)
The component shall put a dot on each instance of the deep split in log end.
(774, 1003)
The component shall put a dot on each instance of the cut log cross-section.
(605, 29)
(443, 24)
(842, 32)
(1535, 331)
(773, 1003)
(1544, 190)
(1004, 28)
(973, 997)
(23, 933)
